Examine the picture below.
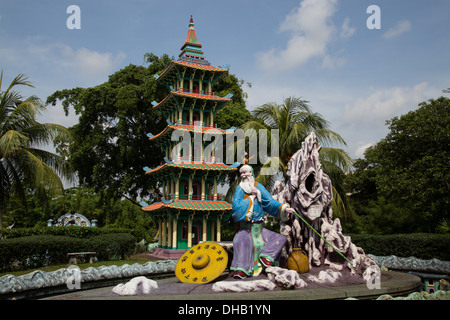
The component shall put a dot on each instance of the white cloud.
(93, 63)
(384, 104)
(359, 153)
(346, 30)
(60, 60)
(84, 62)
(400, 28)
(311, 30)
(331, 62)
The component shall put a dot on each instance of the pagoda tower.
(191, 210)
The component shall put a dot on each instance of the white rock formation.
(287, 279)
(309, 192)
(136, 286)
(243, 286)
(325, 276)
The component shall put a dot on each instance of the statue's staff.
(323, 238)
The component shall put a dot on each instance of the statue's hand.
(285, 211)
(290, 210)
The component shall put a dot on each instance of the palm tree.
(23, 162)
(295, 120)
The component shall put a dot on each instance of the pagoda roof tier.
(197, 66)
(167, 132)
(205, 205)
(177, 99)
(191, 165)
(183, 68)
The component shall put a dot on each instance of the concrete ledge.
(40, 283)
(396, 284)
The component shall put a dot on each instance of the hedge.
(75, 232)
(420, 245)
(40, 250)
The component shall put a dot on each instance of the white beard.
(247, 187)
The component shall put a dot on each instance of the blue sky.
(321, 51)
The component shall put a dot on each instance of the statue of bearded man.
(255, 247)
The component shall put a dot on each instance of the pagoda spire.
(191, 37)
(191, 50)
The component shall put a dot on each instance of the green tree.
(235, 113)
(110, 145)
(409, 169)
(295, 120)
(361, 182)
(23, 162)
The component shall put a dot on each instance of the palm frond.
(340, 208)
(328, 137)
(336, 157)
(45, 133)
(10, 183)
(39, 173)
(12, 141)
(292, 139)
(19, 80)
(60, 166)
(9, 97)
(269, 113)
(23, 115)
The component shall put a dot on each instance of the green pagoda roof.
(190, 205)
(193, 166)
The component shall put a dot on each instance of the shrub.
(36, 251)
(40, 250)
(75, 232)
(113, 246)
(420, 245)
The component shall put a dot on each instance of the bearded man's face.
(246, 174)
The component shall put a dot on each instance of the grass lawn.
(137, 258)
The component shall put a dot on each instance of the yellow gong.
(202, 263)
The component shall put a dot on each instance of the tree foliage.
(23, 161)
(403, 183)
(110, 145)
(235, 113)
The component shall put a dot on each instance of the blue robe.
(252, 241)
(242, 202)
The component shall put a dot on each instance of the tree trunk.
(1, 218)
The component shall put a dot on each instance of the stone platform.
(392, 283)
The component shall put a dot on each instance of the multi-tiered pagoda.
(191, 210)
